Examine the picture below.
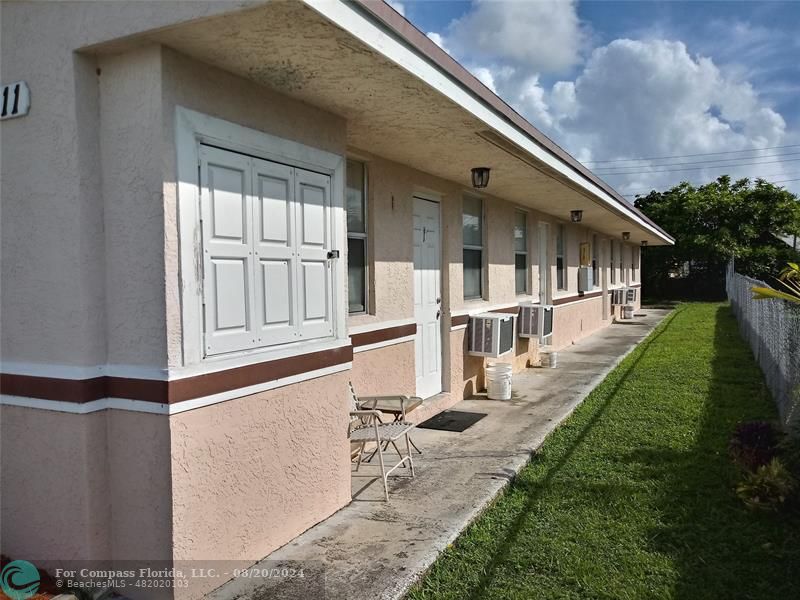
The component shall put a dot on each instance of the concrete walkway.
(372, 549)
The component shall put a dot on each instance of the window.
(612, 251)
(561, 280)
(266, 232)
(633, 263)
(521, 252)
(356, 200)
(473, 247)
(595, 262)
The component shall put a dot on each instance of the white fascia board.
(380, 38)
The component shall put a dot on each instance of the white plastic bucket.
(627, 311)
(498, 381)
(549, 360)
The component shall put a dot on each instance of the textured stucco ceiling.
(288, 47)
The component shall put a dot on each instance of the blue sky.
(714, 84)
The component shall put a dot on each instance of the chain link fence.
(772, 328)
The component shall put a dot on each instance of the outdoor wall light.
(626, 235)
(576, 216)
(644, 242)
(480, 177)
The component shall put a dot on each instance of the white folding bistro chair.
(366, 427)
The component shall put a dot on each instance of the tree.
(712, 224)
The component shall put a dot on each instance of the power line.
(639, 172)
(616, 160)
(640, 192)
(697, 162)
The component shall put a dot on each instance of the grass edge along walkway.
(632, 496)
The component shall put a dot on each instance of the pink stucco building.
(177, 328)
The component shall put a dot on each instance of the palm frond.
(766, 293)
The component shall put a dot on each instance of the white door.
(544, 261)
(427, 297)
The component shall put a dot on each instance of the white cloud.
(651, 98)
(398, 6)
(563, 100)
(544, 36)
(527, 96)
(631, 98)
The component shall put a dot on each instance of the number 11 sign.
(16, 100)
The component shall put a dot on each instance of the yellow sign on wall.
(586, 256)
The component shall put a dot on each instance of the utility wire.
(697, 162)
(652, 172)
(616, 160)
(640, 192)
(766, 176)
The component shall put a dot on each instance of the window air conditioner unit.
(630, 295)
(618, 297)
(536, 321)
(491, 334)
(585, 282)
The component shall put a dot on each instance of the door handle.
(438, 301)
(438, 314)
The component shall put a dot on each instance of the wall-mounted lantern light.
(644, 243)
(480, 177)
(576, 216)
(626, 235)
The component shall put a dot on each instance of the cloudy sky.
(692, 90)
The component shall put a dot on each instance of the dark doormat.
(452, 420)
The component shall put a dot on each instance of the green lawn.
(632, 497)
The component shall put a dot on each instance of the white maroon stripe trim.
(474, 310)
(369, 327)
(383, 344)
(57, 371)
(165, 409)
(61, 371)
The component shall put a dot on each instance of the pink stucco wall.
(85, 487)
(576, 320)
(250, 474)
(388, 370)
(44, 451)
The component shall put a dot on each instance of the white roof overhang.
(403, 98)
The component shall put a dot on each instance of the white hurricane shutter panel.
(315, 290)
(266, 234)
(274, 236)
(226, 210)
